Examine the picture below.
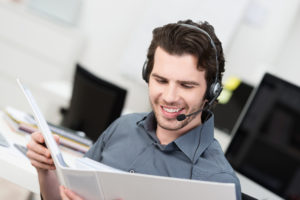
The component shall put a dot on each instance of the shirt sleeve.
(96, 150)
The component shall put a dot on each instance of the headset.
(215, 88)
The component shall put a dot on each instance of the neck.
(166, 136)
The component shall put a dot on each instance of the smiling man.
(183, 70)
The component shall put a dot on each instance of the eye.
(187, 86)
(161, 80)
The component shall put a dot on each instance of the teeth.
(170, 110)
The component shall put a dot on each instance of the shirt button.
(131, 171)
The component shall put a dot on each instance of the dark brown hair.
(178, 40)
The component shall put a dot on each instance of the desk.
(16, 168)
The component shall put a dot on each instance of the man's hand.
(67, 194)
(38, 153)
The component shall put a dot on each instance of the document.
(93, 180)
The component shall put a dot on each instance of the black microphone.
(183, 116)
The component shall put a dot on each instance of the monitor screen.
(226, 114)
(266, 142)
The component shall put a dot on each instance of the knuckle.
(46, 152)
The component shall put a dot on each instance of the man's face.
(176, 87)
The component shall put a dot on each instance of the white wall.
(37, 51)
(108, 26)
(267, 29)
(267, 40)
(287, 62)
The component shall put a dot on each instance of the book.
(93, 180)
(23, 122)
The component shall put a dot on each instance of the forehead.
(178, 67)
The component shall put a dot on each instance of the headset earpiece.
(214, 91)
(144, 72)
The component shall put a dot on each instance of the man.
(183, 70)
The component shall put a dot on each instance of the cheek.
(194, 98)
(154, 91)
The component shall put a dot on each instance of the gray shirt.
(130, 144)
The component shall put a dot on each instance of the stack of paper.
(23, 122)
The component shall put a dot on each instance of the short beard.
(181, 124)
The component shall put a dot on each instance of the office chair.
(95, 103)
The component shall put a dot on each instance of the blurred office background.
(42, 40)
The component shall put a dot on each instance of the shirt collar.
(148, 122)
(192, 144)
(195, 141)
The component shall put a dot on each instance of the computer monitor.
(266, 142)
(226, 114)
(95, 104)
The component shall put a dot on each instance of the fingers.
(67, 194)
(39, 148)
(38, 137)
(40, 157)
(38, 154)
(72, 195)
(41, 165)
(62, 193)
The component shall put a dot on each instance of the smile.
(171, 110)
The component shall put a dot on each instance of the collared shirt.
(131, 144)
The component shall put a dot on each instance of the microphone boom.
(183, 116)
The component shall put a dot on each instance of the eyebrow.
(179, 81)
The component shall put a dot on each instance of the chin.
(170, 124)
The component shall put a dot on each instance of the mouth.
(171, 112)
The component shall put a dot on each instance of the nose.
(170, 94)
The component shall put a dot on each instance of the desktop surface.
(15, 166)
